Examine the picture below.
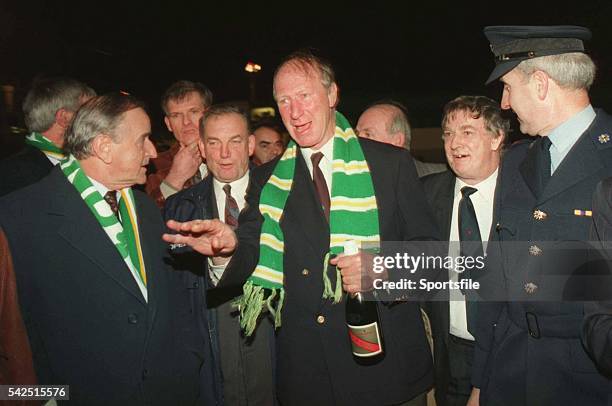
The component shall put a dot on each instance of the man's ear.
(332, 95)
(63, 117)
(167, 121)
(102, 147)
(251, 144)
(541, 83)
(496, 142)
(201, 148)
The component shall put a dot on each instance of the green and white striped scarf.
(124, 236)
(353, 216)
(37, 140)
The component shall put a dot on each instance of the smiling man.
(101, 308)
(474, 132)
(528, 350)
(294, 220)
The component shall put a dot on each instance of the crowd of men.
(213, 272)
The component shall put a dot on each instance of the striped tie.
(231, 207)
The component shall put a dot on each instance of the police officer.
(528, 349)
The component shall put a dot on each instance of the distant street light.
(252, 69)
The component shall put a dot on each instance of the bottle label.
(365, 340)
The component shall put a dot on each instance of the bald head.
(385, 123)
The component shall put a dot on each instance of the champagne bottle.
(363, 324)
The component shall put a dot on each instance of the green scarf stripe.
(351, 218)
(122, 236)
(37, 140)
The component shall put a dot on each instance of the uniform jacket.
(88, 323)
(528, 342)
(314, 360)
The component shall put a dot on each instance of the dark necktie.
(544, 162)
(231, 208)
(469, 241)
(111, 198)
(320, 183)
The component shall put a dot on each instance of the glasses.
(193, 115)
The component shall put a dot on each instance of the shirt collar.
(327, 150)
(239, 186)
(486, 188)
(566, 135)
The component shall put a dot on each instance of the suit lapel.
(529, 169)
(81, 230)
(303, 208)
(149, 248)
(580, 162)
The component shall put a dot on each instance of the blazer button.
(305, 272)
(535, 251)
(132, 318)
(320, 319)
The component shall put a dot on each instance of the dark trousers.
(460, 353)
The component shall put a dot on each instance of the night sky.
(422, 54)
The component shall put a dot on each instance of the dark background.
(422, 54)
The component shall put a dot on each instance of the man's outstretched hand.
(209, 237)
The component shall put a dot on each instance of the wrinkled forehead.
(296, 71)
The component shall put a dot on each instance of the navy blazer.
(314, 360)
(88, 323)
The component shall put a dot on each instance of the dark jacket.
(528, 348)
(314, 360)
(88, 323)
(22, 169)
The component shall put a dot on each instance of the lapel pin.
(603, 138)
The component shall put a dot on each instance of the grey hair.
(179, 90)
(100, 115)
(217, 110)
(47, 96)
(306, 60)
(479, 106)
(574, 70)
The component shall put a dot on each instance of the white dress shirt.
(103, 190)
(326, 161)
(238, 191)
(482, 200)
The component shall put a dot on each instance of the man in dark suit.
(314, 360)
(48, 109)
(245, 362)
(474, 132)
(528, 349)
(101, 308)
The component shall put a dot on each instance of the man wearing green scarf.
(48, 109)
(329, 187)
(103, 312)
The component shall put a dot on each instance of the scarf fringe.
(252, 303)
(334, 294)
